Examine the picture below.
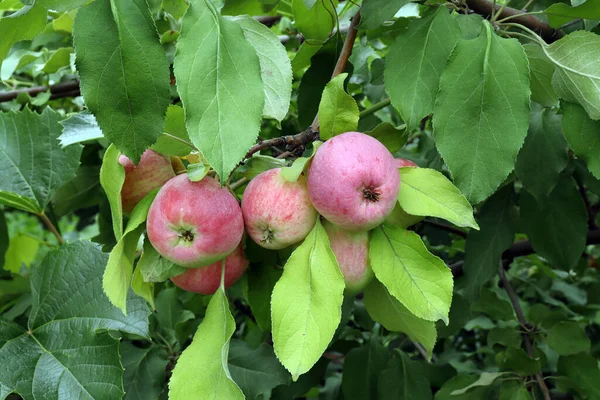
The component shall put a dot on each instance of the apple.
(351, 251)
(353, 181)
(194, 224)
(277, 212)
(403, 162)
(399, 217)
(153, 170)
(206, 280)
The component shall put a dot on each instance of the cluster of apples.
(353, 182)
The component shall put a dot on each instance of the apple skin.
(403, 162)
(277, 213)
(353, 181)
(351, 251)
(206, 280)
(399, 217)
(153, 171)
(194, 224)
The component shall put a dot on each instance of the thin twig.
(588, 206)
(374, 108)
(514, 300)
(448, 228)
(51, 227)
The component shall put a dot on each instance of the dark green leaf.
(80, 192)
(479, 122)
(61, 5)
(556, 227)
(261, 281)
(3, 237)
(567, 337)
(582, 135)
(484, 248)
(391, 137)
(376, 12)
(131, 115)
(583, 369)
(560, 13)
(402, 381)
(32, 163)
(256, 371)
(541, 70)
(144, 371)
(508, 337)
(68, 310)
(544, 154)
(496, 308)
(155, 268)
(362, 368)
(412, 81)
(515, 359)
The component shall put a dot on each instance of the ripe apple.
(194, 224)
(206, 280)
(277, 212)
(399, 217)
(153, 170)
(353, 181)
(403, 162)
(351, 250)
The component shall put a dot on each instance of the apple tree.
(314, 199)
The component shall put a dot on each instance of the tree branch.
(488, 8)
(514, 300)
(63, 89)
(51, 227)
(524, 248)
(446, 227)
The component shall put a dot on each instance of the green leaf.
(24, 24)
(293, 172)
(376, 12)
(112, 176)
(3, 238)
(470, 25)
(16, 60)
(412, 81)
(65, 22)
(62, 5)
(129, 95)
(484, 248)
(119, 270)
(508, 337)
(458, 382)
(315, 23)
(557, 226)
(544, 154)
(395, 317)
(480, 147)
(21, 252)
(567, 337)
(80, 192)
(145, 371)
(577, 75)
(306, 303)
(426, 192)
(155, 268)
(541, 70)
(78, 128)
(515, 359)
(485, 379)
(201, 371)
(514, 391)
(197, 171)
(582, 135)
(66, 314)
(59, 59)
(32, 164)
(170, 314)
(261, 281)
(174, 126)
(338, 111)
(414, 276)
(175, 7)
(256, 371)
(583, 369)
(142, 288)
(392, 138)
(403, 381)
(303, 56)
(559, 13)
(210, 51)
(362, 368)
(259, 163)
(275, 67)
(496, 308)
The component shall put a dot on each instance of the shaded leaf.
(541, 70)
(338, 111)
(362, 368)
(376, 12)
(582, 135)
(402, 381)
(144, 371)
(567, 337)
